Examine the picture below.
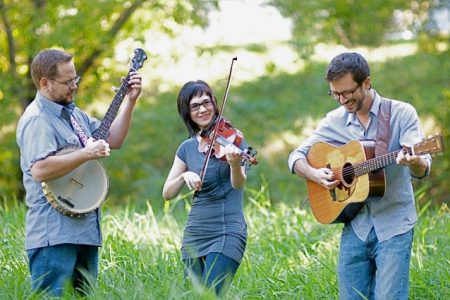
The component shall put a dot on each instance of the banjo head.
(79, 192)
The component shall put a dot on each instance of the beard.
(63, 99)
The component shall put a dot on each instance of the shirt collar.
(54, 108)
(353, 119)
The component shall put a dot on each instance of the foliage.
(275, 111)
(289, 255)
(421, 80)
(87, 29)
(352, 23)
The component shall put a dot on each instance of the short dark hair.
(45, 64)
(345, 63)
(190, 90)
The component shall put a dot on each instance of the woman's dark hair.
(190, 90)
(352, 63)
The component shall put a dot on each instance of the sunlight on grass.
(143, 229)
(289, 254)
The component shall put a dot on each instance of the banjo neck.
(136, 63)
(84, 189)
(103, 131)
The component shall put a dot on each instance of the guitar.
(84, 189)
(360, 175)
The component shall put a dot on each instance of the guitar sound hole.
(348, 174)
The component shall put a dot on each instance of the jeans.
(53, 267)
(213, 270)
(373, 270)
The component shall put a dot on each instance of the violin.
(220, 134)
(225, 134)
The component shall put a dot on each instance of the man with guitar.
(62, 249)
(376, 241)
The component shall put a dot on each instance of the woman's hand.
(233, 155)
(192, 180)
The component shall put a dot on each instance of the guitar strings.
(369, 163)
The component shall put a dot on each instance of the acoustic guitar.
(360, 174)
(85, 188)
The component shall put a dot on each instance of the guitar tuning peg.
(114, 89)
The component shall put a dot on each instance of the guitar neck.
(375, 163)
(103, 131)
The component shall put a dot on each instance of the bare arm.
(238, 176)
(120, 126)
(177, 177)
(322, 176)
(56, 166)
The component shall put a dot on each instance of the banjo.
(84, 189)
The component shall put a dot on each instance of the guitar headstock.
(432, 145)
(138, 60)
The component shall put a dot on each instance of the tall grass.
(289, 255)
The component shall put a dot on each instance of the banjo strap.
(81, 135)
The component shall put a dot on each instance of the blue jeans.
(54, 266)
(213, 270)
(372, 269)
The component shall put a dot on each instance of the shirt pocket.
(70, 141)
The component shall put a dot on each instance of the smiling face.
(202, 111)
(353, 96)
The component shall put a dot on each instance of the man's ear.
(43, 83)
(367, 83)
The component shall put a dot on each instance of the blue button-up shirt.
(395, 212)
(44, 129)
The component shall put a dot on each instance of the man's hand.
(97, 149)
(134, 86)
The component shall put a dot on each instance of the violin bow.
(216, 126)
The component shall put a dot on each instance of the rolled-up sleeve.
(36, 139)
(298, 153)
(329, 129)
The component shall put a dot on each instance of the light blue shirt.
(395, 212)
(44, 129)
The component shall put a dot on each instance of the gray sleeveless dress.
(216, 221)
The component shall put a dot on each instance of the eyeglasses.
(196, 106)
(69, 82)
(346, 94)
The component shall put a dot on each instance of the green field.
(289, 255)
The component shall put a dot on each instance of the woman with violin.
(215, 236)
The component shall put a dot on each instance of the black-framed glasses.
(69, 82)
(196, 106)
(346, 94)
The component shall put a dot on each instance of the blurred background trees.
(274, 110)
(89, 30)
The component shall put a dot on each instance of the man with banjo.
(62, 248)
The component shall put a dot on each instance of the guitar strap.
(381, 148)
(384, 116)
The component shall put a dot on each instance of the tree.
(352, 23)
(87, 29)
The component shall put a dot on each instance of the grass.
(289, 254)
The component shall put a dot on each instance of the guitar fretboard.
(374, 163)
